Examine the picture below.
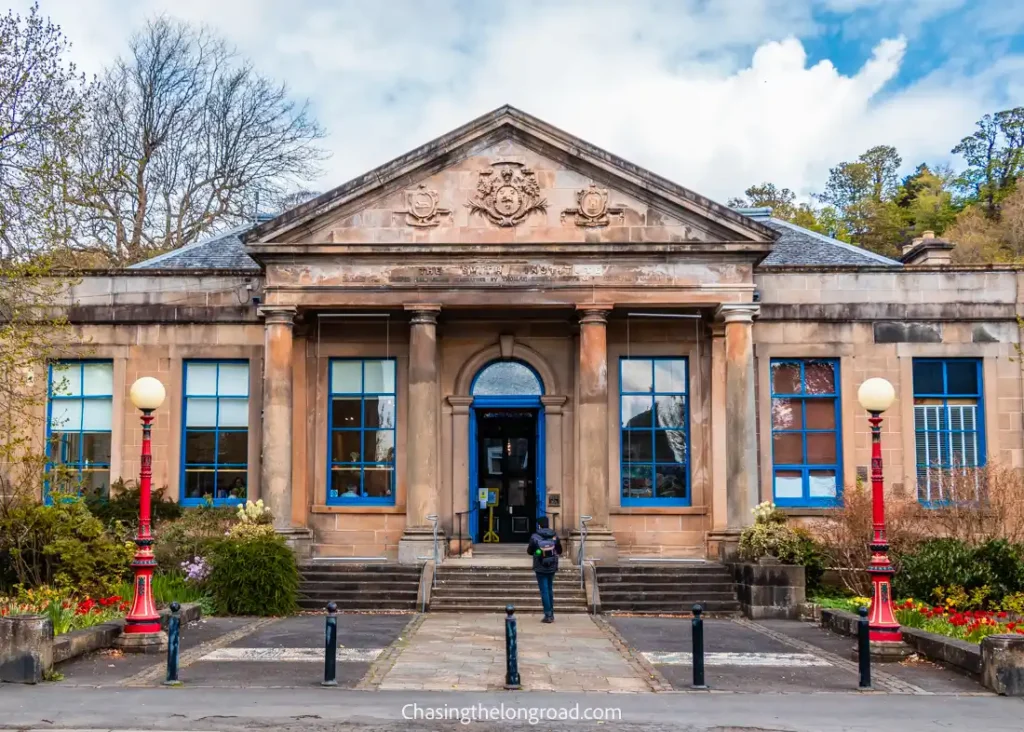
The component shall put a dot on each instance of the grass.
(849, 604)
(168, 588)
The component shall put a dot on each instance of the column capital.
(423, 313)
(460, 404)
(594, 314)
(553, 403)
(277, 314)
(738, 312)
(717, 329)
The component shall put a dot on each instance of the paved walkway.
(466, 652)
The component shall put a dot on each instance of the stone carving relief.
(421, 208)
(592, 207)
(507, 194)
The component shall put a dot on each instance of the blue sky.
(715, 94)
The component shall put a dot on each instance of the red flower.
(1011, 626)
(1003, 614)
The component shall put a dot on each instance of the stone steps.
(358, 586)
(490, 589)
(663, 589)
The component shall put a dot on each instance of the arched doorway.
(506, 450)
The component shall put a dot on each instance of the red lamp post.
(142, 631)
(876, 395)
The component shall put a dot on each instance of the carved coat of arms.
(507, 194)
(592, 207)
(421, 207)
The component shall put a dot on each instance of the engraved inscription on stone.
(592, 207)
(507, 193)
(421, 208)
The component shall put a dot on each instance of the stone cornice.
(277, 314)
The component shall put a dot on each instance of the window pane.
(66, 415)
(234, 413)
(788, 448)
(65, 446)
(787, 414)
(789, 484)
(345, 482)
(96, 481)
(636, 411)
(961, 377)
(928, 377)
(380, 412)
(670, 376)
(670, 481)
(233, 448)
(821, 414)
(98, 379)
(637, 481)
(636, 374)
(785, 378)
(66, 379)
(201, 413)
(670, 446)
(345, 412)
(506, 378)
(378, 446)
(819, 377)
(199, 482)
(200, 379)
(346, 377)
(378, 481)
(233, 379)
(200, 447)
(822, 484)
(231, 483)
(96, 447)
(345, 447)
(380, 377)
(97, 414)
(670, 411)
(821, 448)
(636, 446)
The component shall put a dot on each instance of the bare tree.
(41, 110)
(184, 136)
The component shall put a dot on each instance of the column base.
(889, 651)
(299, 540)
(142, 642)
(417, 546)
(724, 545)
(600, 546)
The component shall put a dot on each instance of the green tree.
(995, 158)
(862, 193)
(780, 200)
(926, 200)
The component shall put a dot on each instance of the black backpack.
(548, 553)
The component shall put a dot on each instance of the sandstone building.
(509, 322)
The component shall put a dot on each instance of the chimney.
(927, 251)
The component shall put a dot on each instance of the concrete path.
(466, 652)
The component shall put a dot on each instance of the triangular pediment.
(509, 178)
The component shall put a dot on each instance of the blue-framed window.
(361, 444)
(806, 454)
(215, 444)
(949, 425)
(80, 411)
(654, 438)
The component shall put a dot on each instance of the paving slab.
(265, 675)
(674, 634)
(307, 631)
(109, 666)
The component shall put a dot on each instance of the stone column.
(719, 480)
(460, 471)
(421, 435)
(593, 432)
(740, 421)
(276, 460)
(553, 457)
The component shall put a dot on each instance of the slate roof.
(797, 246)
(221, 251)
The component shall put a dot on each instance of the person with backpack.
(545, 548)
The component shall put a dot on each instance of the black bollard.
(511, 650)
(864, 648)
(698, 648)
(173, 635)
(331, 646)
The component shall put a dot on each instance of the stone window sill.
(798, 512)
(658, 510)
(357, 509)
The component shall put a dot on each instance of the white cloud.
(713, 95)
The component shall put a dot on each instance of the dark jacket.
(534, 544)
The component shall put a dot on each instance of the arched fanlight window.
(506, 378)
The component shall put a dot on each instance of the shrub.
(123, 505)
(959, 575)
(192, 535)
(254, 577)
(62, 544)
(771, 537)
(254, 522)
(813, 559)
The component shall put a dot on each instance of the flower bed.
(65, 610)
(969, 625)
